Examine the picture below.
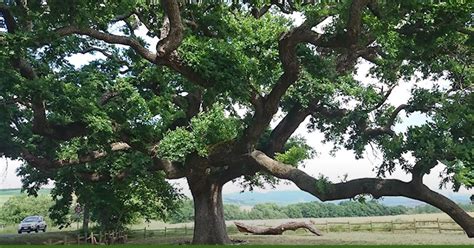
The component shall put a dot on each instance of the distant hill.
(5, 194)
(289, 197)
(13, 192)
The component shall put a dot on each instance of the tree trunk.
(209, 224)
(85, 221)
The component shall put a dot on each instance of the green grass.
(260, 246)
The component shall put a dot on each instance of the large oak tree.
(198, 103)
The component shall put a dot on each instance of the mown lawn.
(260, 246)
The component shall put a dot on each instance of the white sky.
(332, 167)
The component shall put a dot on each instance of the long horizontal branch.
(44, 163)
(376, 187)
(109, 38)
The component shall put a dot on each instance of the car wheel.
(19, 231)
(37, 229)
(44, 229)
(28, 231)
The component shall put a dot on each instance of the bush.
(16, 208)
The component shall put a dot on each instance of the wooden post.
(144, 232)
(439, 225)
(393, 229)
(100, 237)
(327, 226)
(165, 231)
(185, 230)
(371, 227)
(65, 239)
(92, 238)
(349, 225)
(78, 239)
(414, 225)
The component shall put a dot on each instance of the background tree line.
(18, 207)
(308, 210)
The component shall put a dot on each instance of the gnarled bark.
(209, 224)
(277, 230)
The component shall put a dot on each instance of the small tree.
(198, 104)
(16, 208)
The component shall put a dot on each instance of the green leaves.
(176, 145)
(206, 130)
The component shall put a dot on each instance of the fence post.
(65, 239)
(78, 239)
(349, 225)
(371, 227)
(144, 232)
(327, 226)
(165, 231)
(439, 225)
(414, 225)
(185, 230)
(393, 229)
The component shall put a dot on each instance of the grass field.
(155, 237)
(258, 246)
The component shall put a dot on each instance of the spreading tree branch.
(45, 163)
(285, 128)
(175, 31)
(325, 190)
(109, 38)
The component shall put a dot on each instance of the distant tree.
(234, 212)
(16, 208)
(184, 213)
(199, 103)
(113, 202)
(267, 211)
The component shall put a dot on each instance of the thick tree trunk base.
(209, 224)
(278, 230)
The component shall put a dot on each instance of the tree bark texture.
(278, 230)
(209, 224)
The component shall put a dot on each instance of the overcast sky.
(333, 167)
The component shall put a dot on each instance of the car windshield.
(30, 219)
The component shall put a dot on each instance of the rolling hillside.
(289, 197)
(5, 194)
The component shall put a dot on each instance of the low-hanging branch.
(377, 187)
